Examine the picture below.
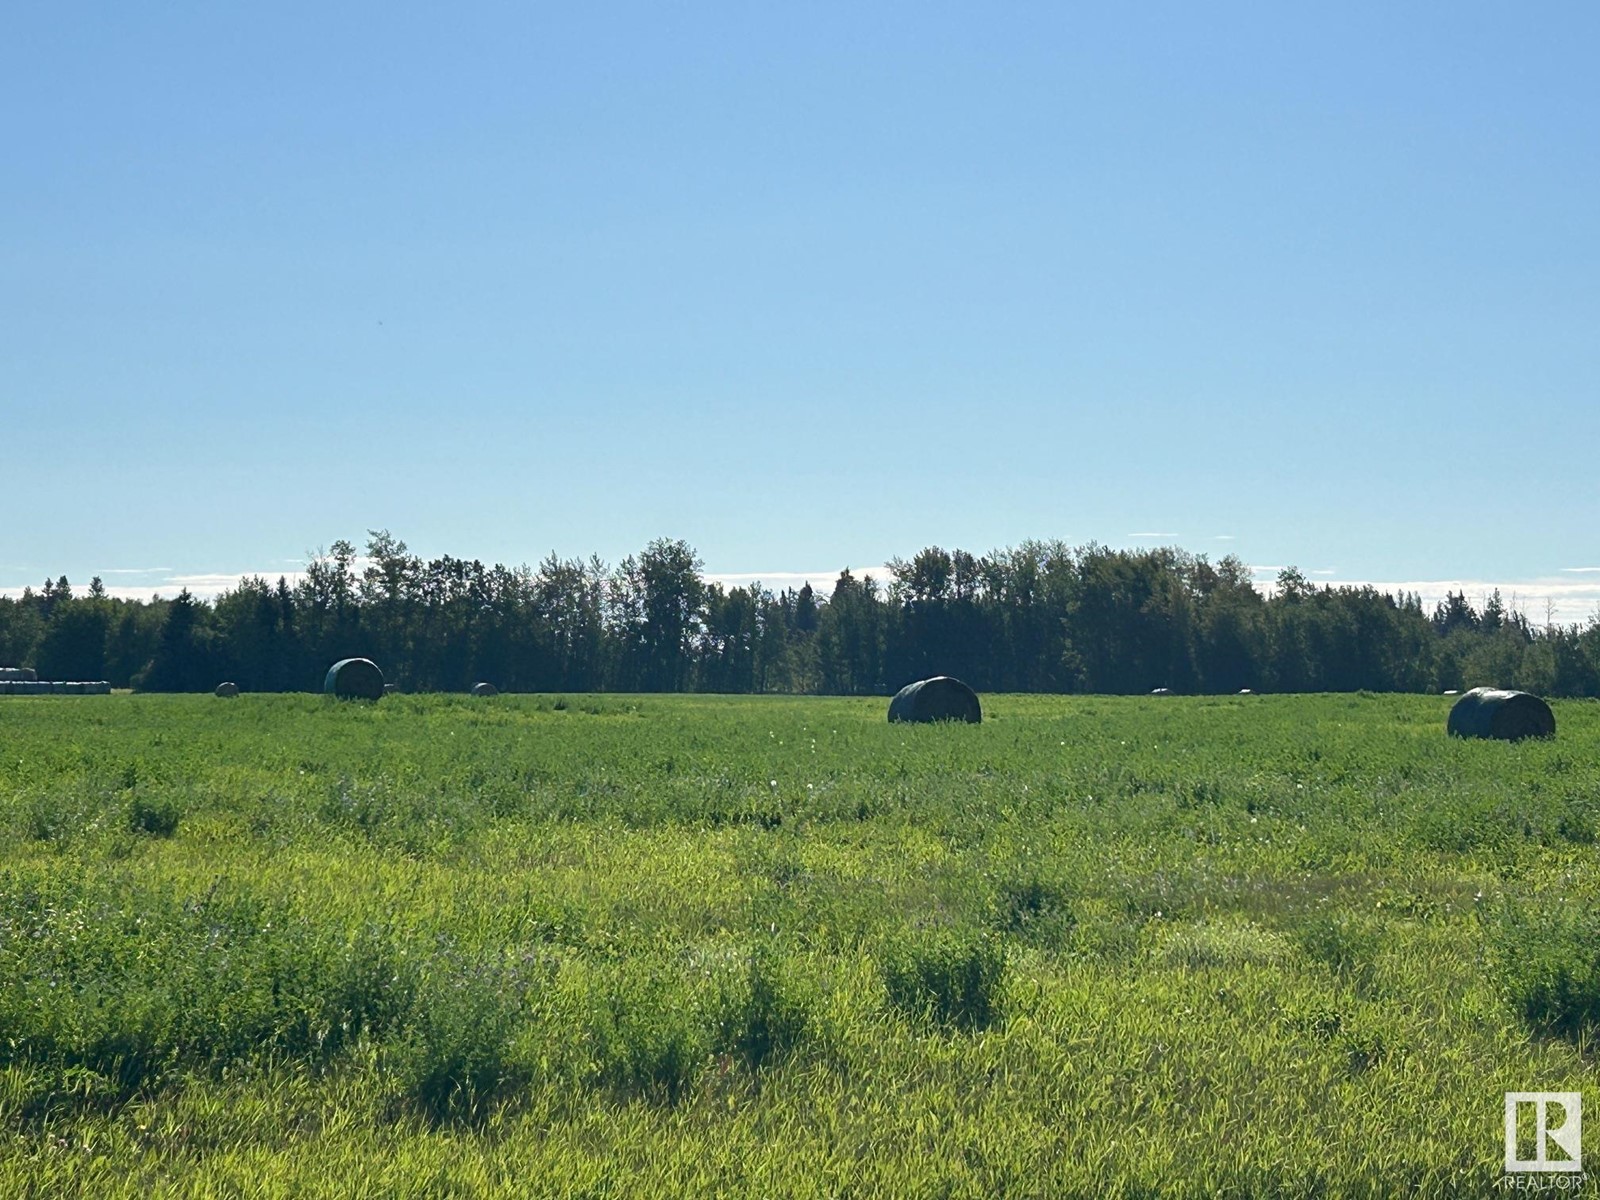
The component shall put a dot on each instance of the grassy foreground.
(630, 946)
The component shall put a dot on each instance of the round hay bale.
(485, 689)
(227, 691)
(938, 699)
(1246, 692)
(354, 679)
(1161, 692)
(1494, 713)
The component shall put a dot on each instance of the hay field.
(636, 946)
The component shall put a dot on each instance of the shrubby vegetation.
(1043, 617)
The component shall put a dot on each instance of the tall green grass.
(675, 945)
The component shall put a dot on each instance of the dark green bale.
(938, 699)
(1493, 713)
(485, 689)
(227, 691)
(354, 679)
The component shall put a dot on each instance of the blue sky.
(807, 286)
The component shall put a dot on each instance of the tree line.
(1039, 617)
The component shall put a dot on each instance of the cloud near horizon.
(1570, 601)
(821, 581)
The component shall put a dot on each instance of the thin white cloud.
(134, 571)
(1223, 537)
(202, 586)
(1147, 536)
(1561, 601)
(821, 581)
(116, 593)
(210, 583)
(1571, 597)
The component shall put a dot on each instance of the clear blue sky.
(805, 285)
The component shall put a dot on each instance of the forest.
(1043, 616)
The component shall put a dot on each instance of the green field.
(628, 946)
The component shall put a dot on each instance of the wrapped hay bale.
(485, 689)
(227, 691)
(18, 675)
(938, 699)
(1506, 715)
(354, 679)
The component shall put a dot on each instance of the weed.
(456, 1058)
(955, 978)
(764, 1016)
(647, 1035)
(157, 816)
(1028, 903)
(1548, 955)
(1349, 945)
